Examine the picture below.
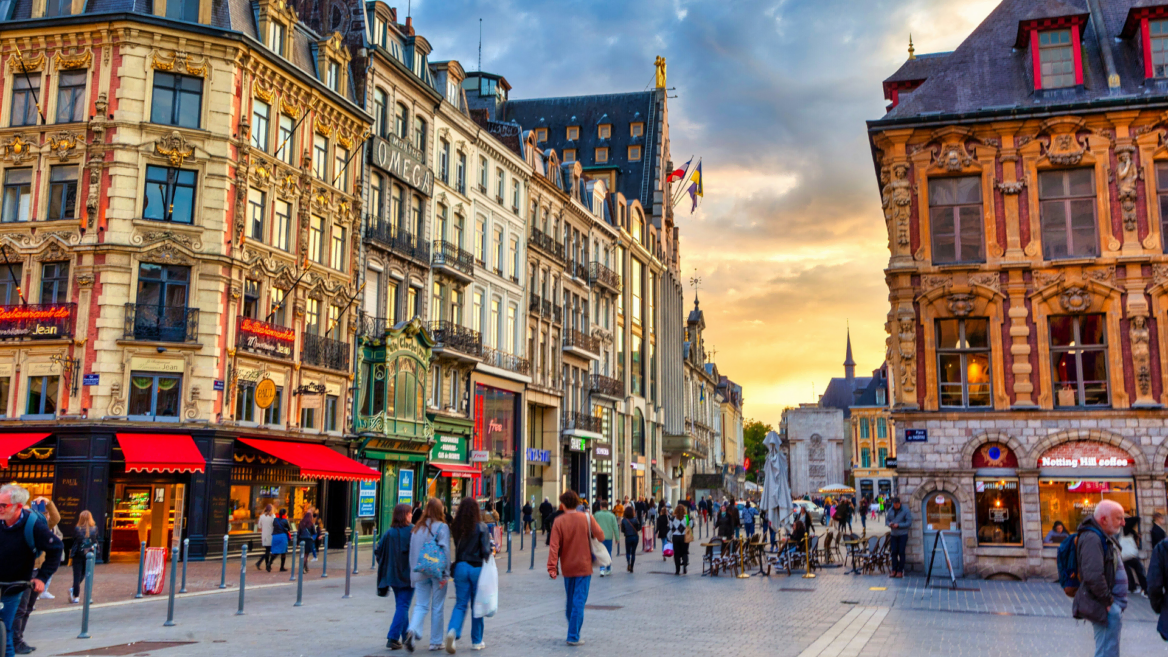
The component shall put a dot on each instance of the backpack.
(29, 527)
(432, 560)
(1068, 562)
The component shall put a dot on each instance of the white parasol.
(776, 491)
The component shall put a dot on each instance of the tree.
(753, 433)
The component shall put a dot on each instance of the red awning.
(161, 452)
(315, 460)
(14, 443)
(457, 470)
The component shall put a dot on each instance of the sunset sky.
(790, 242)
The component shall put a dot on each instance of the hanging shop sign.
(602, 451)
(367, 499)
(577, 444)
(265, 393)
(480, 456)
(890, 462)
(451, 449)
(259, 337)
(538, 455)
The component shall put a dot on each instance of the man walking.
(28, 600)
(570, 553)
(17, 557)
(1102, 594)
(1157, 528)
(899, 522)
(545, 514)
(608, 523)
(865, 507)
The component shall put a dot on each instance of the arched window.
(637, 226)
(408, 391)
(380, 107)
(638, 433)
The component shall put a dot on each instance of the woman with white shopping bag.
(680, 535)
(472, 554)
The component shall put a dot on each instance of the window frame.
(1040, 63)
(1068, 201)
(956, 208)
(58, 283)
(177, 94)
(153, 416)
(1077, 347)
(572, 133)
(964, 352)
(172, 186)
(31, 86)
(601, 154)
(76, 101)
(56, 397)
(61, 191)
(260, 124)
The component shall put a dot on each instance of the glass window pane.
(1066, 369)
(1081, 182)
(942, 191)
(1062, 331)
(1050, 184)
(949, 370)
(1092, 330)
(968, 189)
(947, 335)
(977, 333)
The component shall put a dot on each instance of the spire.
(849, 364)
(912, 53)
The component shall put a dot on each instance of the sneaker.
(393, 645)
(314, 558)
(436, 647)
(576, 643)
(449, 643)
(478, 646)
(47, 596)
(409, 642)
(24, 649)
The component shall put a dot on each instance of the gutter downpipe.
(1113, 82)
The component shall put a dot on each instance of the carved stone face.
(953, 159)
(1075, 300)
(1139, 322)
(1124, 158)
(960, 304)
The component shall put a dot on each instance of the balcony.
(576, 422)
(456, 341)
(534, 305)
(154, 323)
(545, 309)
(452, 261)
(546, 243)
(599, 274)
(372, 327)
(557, 314)
(581, 344)
(259, 337)
(607, 386)
(398, 241)
(44, 321)
(577, 270)
(506, 361)
(686, 445)
(319, 351)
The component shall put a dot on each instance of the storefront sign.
(577, 444)
(1084, 462)
(602, 452)
(37, 321)
(538, 455)
(260, 337)
(42, 369)
(164, 365)
(451, 449)
(91, 380)
(916, 436)
(890, 462)
(405, 487)
(265, 393)
(403, 161)
(495, 421)
(638, 466)
(367, 499)
(480, 456)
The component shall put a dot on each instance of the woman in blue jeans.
(393, 572)
(472, 548)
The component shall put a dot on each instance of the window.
(604, 131)
(499, 259)
(515, 195)
(1162, 190)
(636, 129)
(282, 225)
(333, 328)
(273, 414)
(10, 284)
(170, 195)
(569, 155)
(154, 395)
(515, 265)
(1158, 30)
(461, 173)
(286, 149)
(17, 195)
(183, 10)
(955, 219)
(379, 31)
(261, 114)
(5, 388)
(71, 95)
(882, 454)
(396, 209)
(333, 78)
(1073, 501)
(307, 418)
(500, 184)
(638, 274)
(163, 286)
(602, 155)
(414, 303)
(999, 511)
(1057, 57)
(278, 39)
(276, 314)
(573, 133)
(399, 121)
(541, 134)
(419, 134)
(251, 299)
(330, 412)
(54, 282)
(865, 457)
(1067, 208)
(419, 227)
(864, 429)
(634, 153)
(312, 316)
(178, 99)
(1078, 349)
(881, 428)
(442, 215)
(316, 239)
(62, 193)
(480, 246)
(58, 8)
(255, 212)
(42, 395)
(245, 402)
(25, 88)
(436, 302)
(476, 319)
(341, 168)
(509, 339)
(963, 362)
(494, 324)
(338, 251)
(457, 233)
(484, 174)
(444, 161)
(320, 157)
(380, 106)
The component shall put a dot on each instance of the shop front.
(401, 466)
(151, 488)
(1075, 477)
(496, 431)
(449, 474)
(602, 480)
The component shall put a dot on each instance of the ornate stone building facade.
(1027, 279)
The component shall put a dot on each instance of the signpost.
(916, 435)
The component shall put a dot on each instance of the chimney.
(410, 25)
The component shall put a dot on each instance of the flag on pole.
(678, 174)
(695, 188)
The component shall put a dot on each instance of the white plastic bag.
(486, 601)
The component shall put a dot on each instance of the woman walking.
(281, 533)
(472, 548)
(663, 528)
(631, 528)
(85, 540)
(430, 591)
(266, 522)
(1129, 543)
(393, 572)
(306, 536)
(677, 527)
(527, 519)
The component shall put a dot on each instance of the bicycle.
(7, 587)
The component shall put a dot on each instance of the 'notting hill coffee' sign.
(403, 161)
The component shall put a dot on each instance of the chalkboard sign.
(220, 498)
(69, 494)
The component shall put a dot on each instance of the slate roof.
(878, 380)
(839, 394)
(986, 73)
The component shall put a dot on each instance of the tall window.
(255, 211)
(461, 173)
(278, 34)
(500, 184)
(245, 402)
(963, 362)
(1078, 350)
(24, 89)
(865, 457)
(42, 395)
(1057, 57)
(380, 107)
(514, 258)
(476, 319)
(341, 168)
(333, 79)
(55, 282)
(638, 273)
(183, 10)
(330, 412)
(418, 226)
(320, 157)
(273, 414)
(154, 395)
(480, 247)
(170, 195)
(397, 208)
(10, 284)
(276, 314)
(286, 145)
(62, 193)
(261, 114)
(494, 326)
(499, 258)
(71, 95)
(955, 219)
(316, 239)
(444, 161)
(865, 430)
(312, 316)
(419, 134)
(1159, 33)
(484, 174)
(282, 225)
(1162, 190)
(882, 456)
(399, 121)
(251, 299)
(515, 195)
(178, 99)
(1067, 207)
(436, 302)
(333, 328)
(337, 261)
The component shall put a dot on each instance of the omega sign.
(403, 161)
(1083, 462)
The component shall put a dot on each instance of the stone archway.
(1015, 445)
(1160, 460)
(1139, 459)
(916, 541)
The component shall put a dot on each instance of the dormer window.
(183, 10)
(1057, 59)
(334, 76)
(573, 133)
(569, 155)
(541, 134)
(604, 131)
(1158, 42)
(637, 129)
(379, 31)
(277, 38)
(602, 155)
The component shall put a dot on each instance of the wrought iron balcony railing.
(506, 361)
(154, 323)
(41, 321)
(372, 327)
(580, 340)
(400, 241)
(450, 255)
(598, 273)
(449, 335)
(607, 386)
(575, 420)
(321, 351)
(546, 243)
(534, 305)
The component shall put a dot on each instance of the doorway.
(942, 516)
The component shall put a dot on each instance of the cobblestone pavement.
(649, 612)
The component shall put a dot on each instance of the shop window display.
(248, 502)
(1071, 501)
(999, 512)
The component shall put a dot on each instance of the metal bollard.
(348, 573)
(508, 549)
(532, 549)
(242, 576)
(356, 549)
(89, 560)
(324, 564)
(173, 574)
(295, 561)
(300, 576)
(186, 551)
(520, 540)
(223, 574)
(373, 550)
(141, 568)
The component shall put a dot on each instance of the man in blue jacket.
(18, 557)
(899, 522)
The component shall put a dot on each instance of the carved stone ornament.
(323, 128)
(901, 199)
(953, 157)
(1127, 175)
(1141, 356)
(147, 237)
(70, 62)
(15, 149)
(175, 148)
(1075, 299)
(906, 323)
(1010, 188)
(990, 280)
(263, 93)
(180, 61)
(345, 140)
(1105, 275)
(931, 282)
(85, 279)
(298, 308)
(1065, 150)
(64, 144)
(1044, 279)
(167, 254)
(1159, 274)
(961, 305)
(236, 291)
(53, 253)
(289, 107)
(18, 63)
